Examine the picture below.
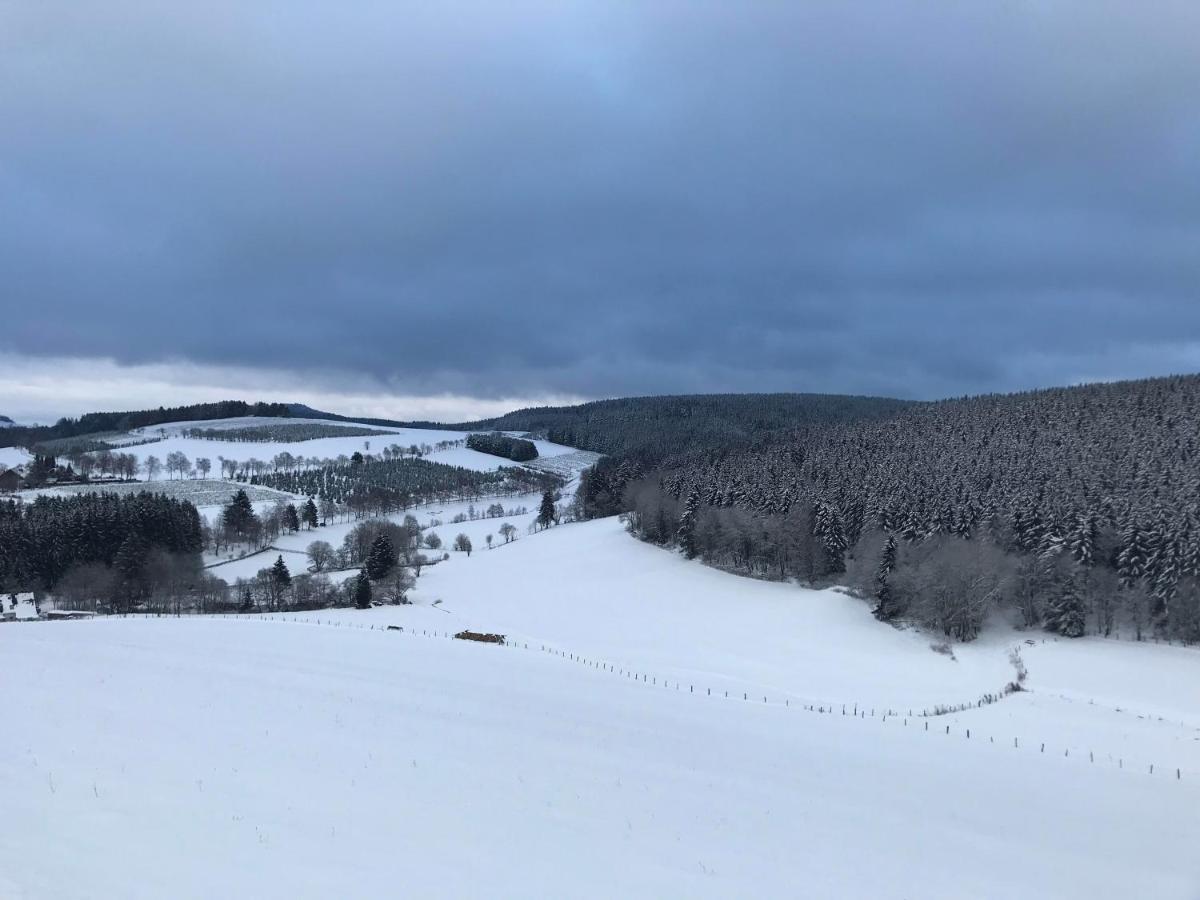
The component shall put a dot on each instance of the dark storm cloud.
(602, 199)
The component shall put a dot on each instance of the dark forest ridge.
(658, 423)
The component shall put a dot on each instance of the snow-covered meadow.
(285, 758)
(206, 494)
(171, 439)
(11, 457)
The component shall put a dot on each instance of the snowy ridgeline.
(606, 751)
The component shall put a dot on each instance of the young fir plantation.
(842, 613)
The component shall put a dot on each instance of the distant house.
(9, 480)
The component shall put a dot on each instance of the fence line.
(848, 710)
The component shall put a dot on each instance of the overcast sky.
(446, 209)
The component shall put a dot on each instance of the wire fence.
(851, 710)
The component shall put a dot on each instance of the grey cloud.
(602, 199)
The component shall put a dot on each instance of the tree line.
(142, 553)
(282, 433)
(383, 486)
(1078, 508)
(652, 429)
(42, 541)
(98, 422)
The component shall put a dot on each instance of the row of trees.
(943, 582)
(100, 422)
(82, 466)
(382, 487)
(281, 433)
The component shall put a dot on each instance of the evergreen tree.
(1066, 614)
(546, 510)
(828, 528)
(291, 519)
(308, 515)
(279, 572)
(131, 558)
(687, 524)
(1131, 558)
(381, 559)
(362, 591)
(130, 563)
(886, 607)
(1083, 538)
(239, 517)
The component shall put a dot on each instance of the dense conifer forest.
(42, 540)
(516, 449)
(652, 428)
(1078, 507)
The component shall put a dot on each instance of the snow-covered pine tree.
(1066, 613)
(279, 572)
(686, 533)
(1132, 555)
(828, 528)
(886, 607)
(308, 514)
(361, 591)
(381, 559)
(1081, 541)
(239, 517)
(546, 513)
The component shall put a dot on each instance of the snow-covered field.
(168, 438)
(293, 545)
(205, 494)
(326, 447)
(11, 457)
(279, 758)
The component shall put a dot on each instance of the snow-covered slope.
(173, 440)
(11, 457)
(274, 759)
(321, 754)
(592, 590)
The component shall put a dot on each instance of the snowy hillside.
(173, 440)
(212, 493)
(597, 755)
